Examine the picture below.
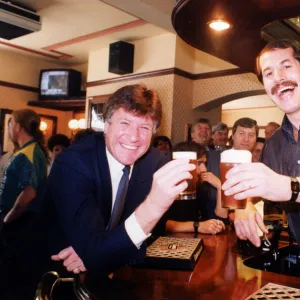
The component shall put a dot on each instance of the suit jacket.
(80, 187)
(206, 193)
(213, 162)
(213, 165)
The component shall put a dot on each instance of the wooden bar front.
(219, 274)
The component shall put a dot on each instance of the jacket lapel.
(104, 187)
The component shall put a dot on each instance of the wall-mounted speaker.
(121, 56)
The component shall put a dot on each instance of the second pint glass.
(230, 158)
(190, 192)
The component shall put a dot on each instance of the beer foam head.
(185, 154)
(236, 156)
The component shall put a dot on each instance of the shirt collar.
(115, 167)
(27, 143)
(287, 128)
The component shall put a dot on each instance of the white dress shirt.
(133, 228)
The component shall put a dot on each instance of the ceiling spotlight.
(219, 25)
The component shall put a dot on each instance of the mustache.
(283, 84)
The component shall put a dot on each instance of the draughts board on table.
(275, 292)
(174, 253)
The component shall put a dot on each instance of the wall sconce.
(43, 126)
(75, 125)
(219, 25)
(82, 124)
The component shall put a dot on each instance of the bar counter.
(219, 274)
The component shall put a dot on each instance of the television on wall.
(59, 84)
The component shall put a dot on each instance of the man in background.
(270, 129)
(244, 134)
(57, 143)
(83, 133)
(256, 153)
(220, 136)
(201, 133)
(24, 177)
(21, 195)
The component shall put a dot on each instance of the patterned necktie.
(120, 199)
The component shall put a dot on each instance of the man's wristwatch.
(196, 226)
(295, 187)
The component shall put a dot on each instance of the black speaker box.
(121, 58)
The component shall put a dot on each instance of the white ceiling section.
(68, 19)
(157, 12)
(81, 55)
(73, 23)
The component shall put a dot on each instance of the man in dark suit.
(86, 186)
(84, 180)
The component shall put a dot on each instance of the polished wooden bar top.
(219, 274)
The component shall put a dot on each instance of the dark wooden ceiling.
(242, 42)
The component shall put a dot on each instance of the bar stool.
(80, 290)
(52, 287)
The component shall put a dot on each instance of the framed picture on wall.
(5, 143)
(51, 125)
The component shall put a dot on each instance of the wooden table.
(219, 274)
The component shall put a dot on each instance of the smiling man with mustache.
(277, 177)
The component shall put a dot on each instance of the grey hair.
(219, 126)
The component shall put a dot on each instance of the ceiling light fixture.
(219, 25)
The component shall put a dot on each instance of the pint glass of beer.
(229, 159)
(190, 192)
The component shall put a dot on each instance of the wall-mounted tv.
(59, 84)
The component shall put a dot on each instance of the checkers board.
(174, 253)
(275, 292)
